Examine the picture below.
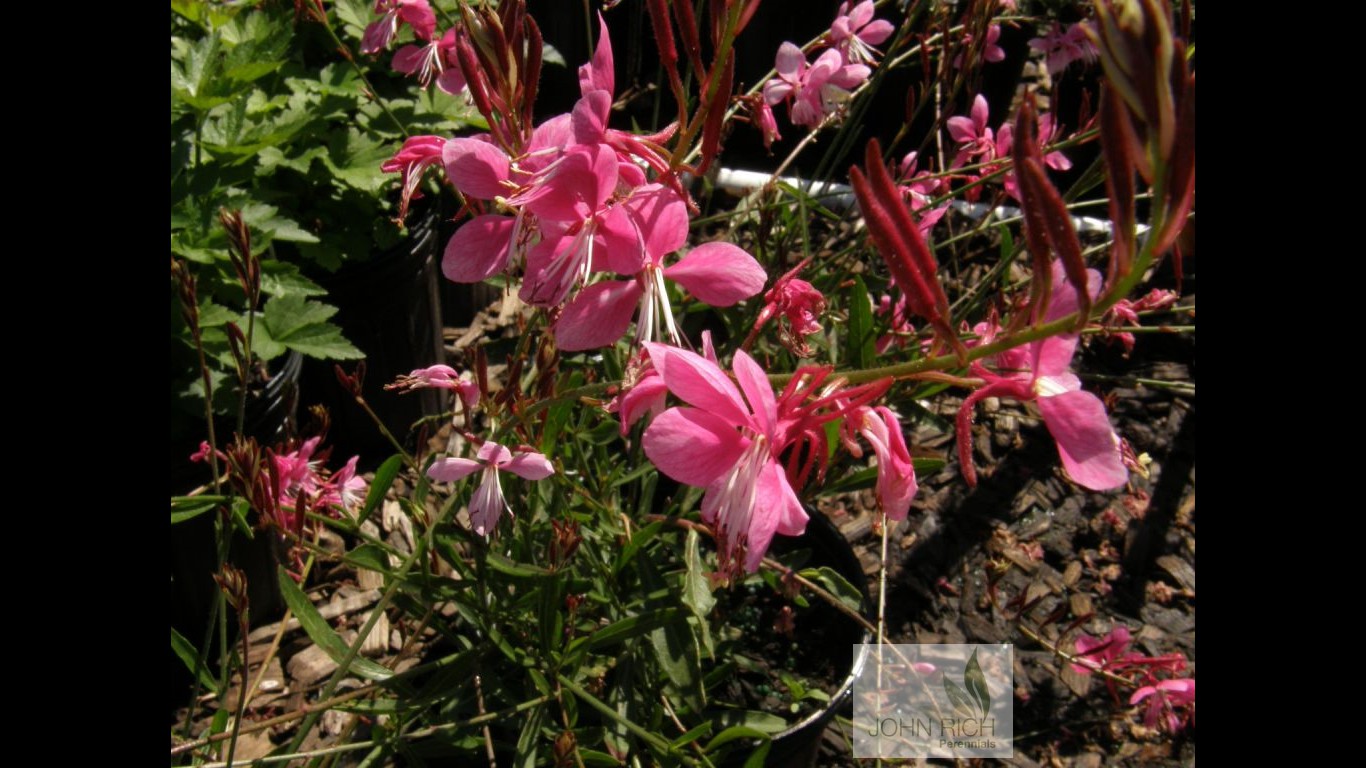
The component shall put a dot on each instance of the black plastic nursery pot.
(390, 308)
(833, 632)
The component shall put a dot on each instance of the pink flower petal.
(720, 274)
(692, 446)
(487, 504)
(962, 130)
(598, 74)
(493, 453)
(663, 219)
(790, 61)
(449, 470)
(590, 117)
(754, 383)
(775, 506)
(1086, 441)
(530, 466)
(699, 382)
(647, 396)
(597, 316)
(620, 239)
(476, 168)
(408, 59)
(877, 32)
(479, 249)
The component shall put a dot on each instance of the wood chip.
(377, 642)
(1179, 570)
(310, 665)
(1072, 575)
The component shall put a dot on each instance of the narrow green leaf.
(862, 337)
(321, 633)
(693, 735)
(384, 479)
(188, 507)
(738, 732)
(509, 567)
(632, 626)
(187, 653)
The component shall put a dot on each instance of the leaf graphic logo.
(972, 698)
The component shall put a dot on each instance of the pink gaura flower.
(991, 52)
(345, 488)
(813, 90)
(435, 60)
(1099, 652)
(439, 377)
(896, 484)
(1061, 49)
(415, 13)
(1088, 445)
(729, 445)
(1171, 703)
(974, 136)
(417, 155)
(1046, 134)
(488, 504)
(797, 305)
(855, 31)
(900, 332)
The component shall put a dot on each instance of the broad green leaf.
(384, 479)
(281, 279)
(321, 633)
(355, 160)
(369, 556)
(862, 336)
(696, 586)
(301, 324)
(676, 650)
(834, 583)
(185, 650)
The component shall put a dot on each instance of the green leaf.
(185, 650)
(321, 633)
(675, 647)
(298, 323)
(370, 556)
(692, 735)
(355, 160)
(384, 479)
(976, 682)
(509, 567)
(188, 507)
(696, 586)
(834, 583)
(632, 626)
(764, 723)
(862, 336)
(737, 732)
(281, 279)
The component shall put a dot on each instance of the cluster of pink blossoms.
(1170, 702)
(290, 484)
(573, 206)
(434, 59)
(979, 144)
(818, 88)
